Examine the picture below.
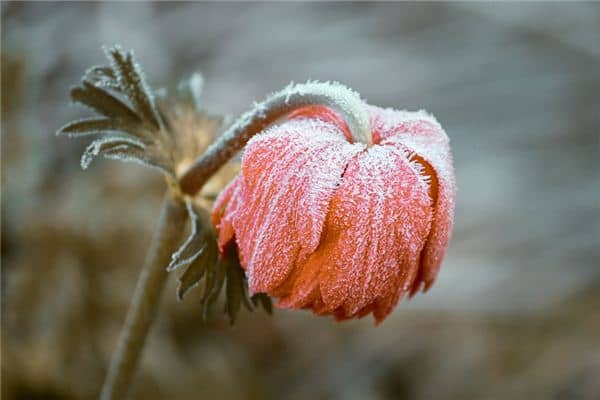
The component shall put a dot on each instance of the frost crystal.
(134, 125)
(341, 228)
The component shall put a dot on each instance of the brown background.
(515, 311)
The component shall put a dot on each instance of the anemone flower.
(328, 223)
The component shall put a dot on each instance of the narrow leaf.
(103, 102)
(106, 143)
(191, 277)
(137, 155)
(234, 292)
(190, 90)
(218, 282)
(100, 71)
(233, 262)
(132, 82)
(92, 126)
(102, 76)
(264, 301)
(208, 287)
(195, 243)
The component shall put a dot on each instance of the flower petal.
(422, 136)
(323, 113)
(224, 211)
(289, 175)
(377, 224)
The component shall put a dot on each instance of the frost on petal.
(375, 230)
(323, 113)
(289, 175)
(423, 138)
(224, 211)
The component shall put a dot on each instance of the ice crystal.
(137, 124)
(339, 227)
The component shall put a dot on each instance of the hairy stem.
(146, 299)
(336, 96)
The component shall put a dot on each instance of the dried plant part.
(158, 129)
(199, 255)
(166, 131)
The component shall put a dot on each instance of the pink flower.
(338, 227)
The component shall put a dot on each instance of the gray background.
(514, 313)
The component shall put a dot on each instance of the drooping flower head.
(327, 223)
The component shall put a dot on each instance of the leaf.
(191, 277)
(233, 292)
(201, 255)
(264, 301)
(189, 254)
(103, 102)
(161, 107)
(92, 126)
(100, 71)
(190, 90)
(172, 131)
(213, 282)
(143, 156)
(131, 80)
(208, 285)
(102, 76)
(106, 143)
(87, 126)
(234, 263)
(199, 252)
(195, 243)
(212, 294)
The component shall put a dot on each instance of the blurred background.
(514, 313)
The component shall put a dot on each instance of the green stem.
(146, 299)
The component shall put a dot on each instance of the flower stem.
(151, 282)
(146, 299)
(276, 106)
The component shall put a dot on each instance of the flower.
(336, 226)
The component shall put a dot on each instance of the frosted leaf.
(100, 72)
(194, 244)
(191, 90)
(94, 126)
(106, 143)
(235, 290)
(213, 283)
(107, 84)
(261, 299)
(102, 76)
(190, 279)
(198, 252)
(179, 260)
(140, 156)
(211, 271)
(130, 78)
(100, 100)
(173, 132)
